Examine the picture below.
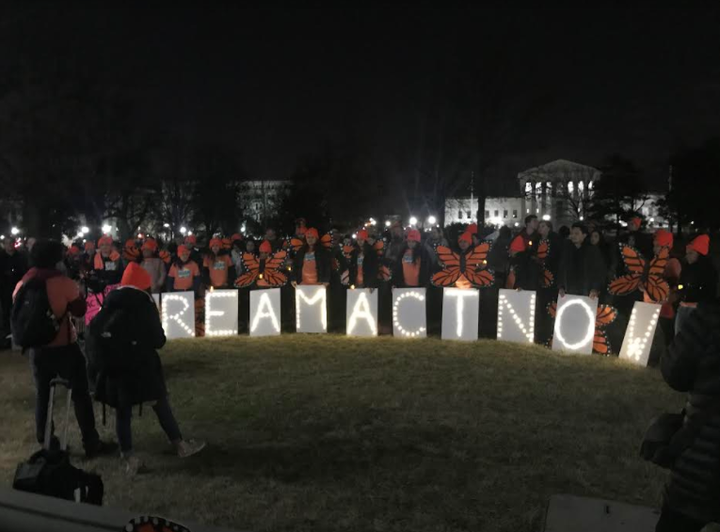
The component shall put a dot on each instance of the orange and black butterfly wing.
(634, 261)
(552, 309)
(656, 287)
(251, 265)
(478, 256)
(450, 273)
(165, 256)
(226, 244)
(548, 279)
(601, 345)
(148, 523)
(543, 250)
(272, 276)
(606, 314)
(294, 244)
(328, 240)
(481, 278)
(630, 282)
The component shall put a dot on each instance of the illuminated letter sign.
(460, 314)
(362, 312)
(221, 312)
(310, 309)
(265, 312)
(156, 299)
(575, 324)
(409, 320)
(178, 314)
(640, 333)
(516, 316)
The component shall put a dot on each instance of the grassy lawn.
(333, 433)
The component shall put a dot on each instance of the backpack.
(33, 322)
(110, 342)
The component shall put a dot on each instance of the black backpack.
(111, 347)
(33, 322)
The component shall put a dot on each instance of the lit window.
(581, 187)
(590, 185)
(571, 187)
(538, 189)
(514, 213)
(505, 213)
(528, 188)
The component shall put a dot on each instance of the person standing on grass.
(184, 274)
(107, 264)
(218, 268)
(123, 340)
(363, 263)
(698, 279)
(62, 356)
(154, 265)
(582, 269)
(271, 237)
(311, 265)
(13, 266)
(691, 498)
(413, 268)
(664, 239)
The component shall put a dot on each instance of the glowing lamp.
(14, 231)
(106, 229)
(681, 287)
(388, 223)
(84, 229)
(413, 220)
(546, 217)
(183, 230)
(432, 220)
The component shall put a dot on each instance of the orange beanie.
(664, 238)
(466, 236)
(312, 232)
(414, 235)
(215, 242)
(265, 247)
(236, 237)
(518, 244)
(362, 234)
(150, 244)
(191, 240)
(701, 244)
(73, 250)
(182, 249)
(472, 229)
(105, 240)
(636, 220)
(89, 245)
(135, 275)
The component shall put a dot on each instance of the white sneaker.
(187, 448)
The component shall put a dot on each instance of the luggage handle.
(51, 404)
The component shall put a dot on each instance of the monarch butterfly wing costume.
(150, 523)
(606, 314)
(271, 275)
(635, 265)
(476, 266)
(227, 244)
(131, 253)
(165, 256)
(251, 265)
(656, 287)
(450, 273)
(547, 278)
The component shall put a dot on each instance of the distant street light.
(388, 223)
(14, 231)
(166, 226)
(84, 229)
(413, 220)
(106, 229)
(183, 230)
(432, 220)
(546, 217)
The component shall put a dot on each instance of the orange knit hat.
(150, 244)
(89, 245)
(182, 249)
(701, 244)
(215, 242)
(73, 250)
(664, 238)
(191, 240)
(362, 234)
(312, 232)
(135, 275)
(105, 240)
(466, 236)
(265, 247)
(236, 237)
(518, 244)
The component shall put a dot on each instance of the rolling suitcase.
(49, 472)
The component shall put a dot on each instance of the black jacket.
(370, 266)
(581, 269)
(322, 263)
(698, 281)
(398, 274)
(142, 378)
(692, 364)
(12, 269)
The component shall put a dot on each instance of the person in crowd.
(547, 291)
(124, 338)
(238, 248)
(564, 232)
(529, 232)
(218, 267)
(598, 240)
(363, 263)
(311, 264)
(465, 246)
(154, 265)
(13, 266)
(499, 257)
(271, 237)
(184, 273)
(413, 269)
(195, 253)
(73, 262)
(107, 264)
(525, 269)
(62, 356)
(673, 268)
(300, 228)
(698, 279)
(692, 365)
(635, 237)
(436, 238)
(582, 270)
(393, 251)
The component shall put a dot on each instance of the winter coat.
(370, 266)
(581, 269)
(698, 281)
(141, 379)
(692, 364)
(398, 273)
(322, 263)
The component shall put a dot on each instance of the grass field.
(331, 433)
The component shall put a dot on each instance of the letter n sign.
(516, 316)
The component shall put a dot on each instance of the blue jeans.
(67, 362)
(683, 313)
(123, 419)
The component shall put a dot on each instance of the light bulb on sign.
(361, 310)
(167, 318)
(396, 313)
(590, 331)
(209, 312)
(265, 310)
(318, 298)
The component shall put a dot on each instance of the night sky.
(278, 84)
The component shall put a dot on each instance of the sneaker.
(132, 466)
(101, 448)
(187, 448)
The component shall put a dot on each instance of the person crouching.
(123, 340)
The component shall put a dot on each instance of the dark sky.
(278, 84)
